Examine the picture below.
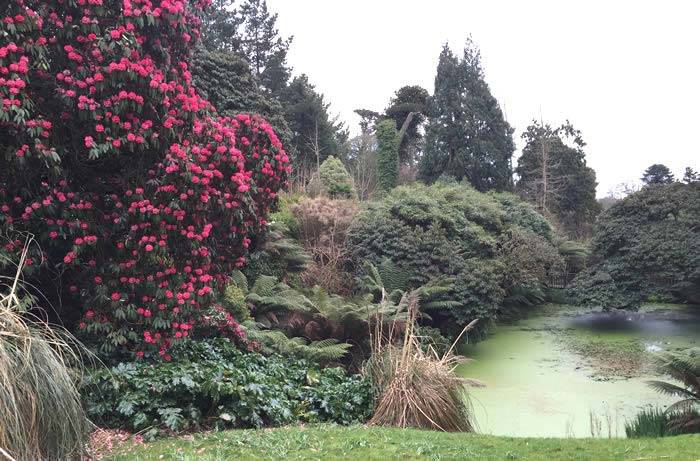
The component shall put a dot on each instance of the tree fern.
(240, 280)
(326, 350)
(684, 368)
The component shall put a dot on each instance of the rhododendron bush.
(141, 197)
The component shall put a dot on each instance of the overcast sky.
(625, 73)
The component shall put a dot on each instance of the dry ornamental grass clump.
(415, 387)
(41, 415)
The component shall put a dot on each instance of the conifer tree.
(467, 136)
(388, 154)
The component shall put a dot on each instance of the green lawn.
(329, 443)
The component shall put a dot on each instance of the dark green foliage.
(335, 179)
(467, 135)
(430, 337)
(407, 100)
(553, 175)
(684, 368)
(249, 30)
(645, 246)
(446, 231)
(650, 422)
(214, 385)
(529, 261)
(315, 135)
(220, 26)
(277, 252)
(261, 43)
(225, 79)
(657, 174)
(690, 175)
(387, 155)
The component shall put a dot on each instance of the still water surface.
(563, 373)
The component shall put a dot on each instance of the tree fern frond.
(264, 285)
(446, 305)
(668, 388)
(240, 280)
(683, 406)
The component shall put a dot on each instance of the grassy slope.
(329, 443)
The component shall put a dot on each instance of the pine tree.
(467, 136)
(225, 79)
(690, 175)
(261, 41)
(315, 135)
(657, 174)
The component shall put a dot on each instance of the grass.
(374, 443)
(650, 422)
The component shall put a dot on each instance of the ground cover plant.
(215, 385)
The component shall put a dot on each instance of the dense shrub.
(142, 198)
(214, 385)
(528, 259)
(335, 179)
(645, 247)
(451, 230)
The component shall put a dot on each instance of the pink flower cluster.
(143, 198)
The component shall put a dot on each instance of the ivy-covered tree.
(387, 155)
(407, 108)
(553, 174)
(467, 135)
(657, 174)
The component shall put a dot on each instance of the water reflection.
(657, 323)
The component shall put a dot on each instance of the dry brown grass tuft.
(418, 388)
(41, 415)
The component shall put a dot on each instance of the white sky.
(626, 73)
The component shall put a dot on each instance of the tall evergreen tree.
(315, 135)
(225, 79)
(553, 174)
(467, 135)
(261, 41)
(690, 175)
(249, 30)
(657, 174)
(220, 27)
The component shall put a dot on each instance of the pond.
(564, 372)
